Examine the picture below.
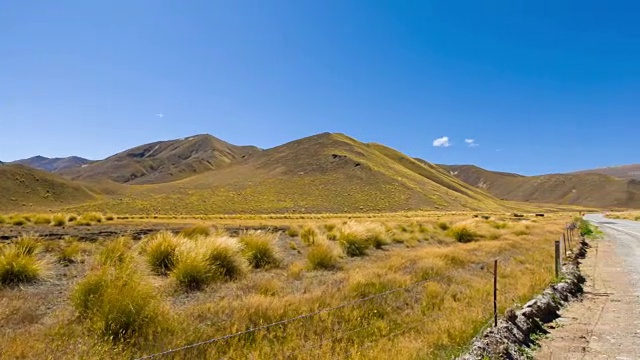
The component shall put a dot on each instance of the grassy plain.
(410, 290)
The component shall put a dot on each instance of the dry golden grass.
(431, 320)
(630, 215)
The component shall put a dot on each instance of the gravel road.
(606, 323)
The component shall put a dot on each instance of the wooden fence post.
(564, 243)
(495, 293)
(557, 245)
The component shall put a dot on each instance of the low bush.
(196, 231)
(585, 228)
(59, 220)
(260, 249)
(118, 304)
(72, 218)
(18, 266)
(324, 255)
(109, 217)
(463, 234)
(3, 220)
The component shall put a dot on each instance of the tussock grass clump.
(28, 244)
(224, 256)
(59, 220)
(293, 231)
(116, 252)
(443, 226)
(191, 271)
(498, 225)
(260, 249)
(72, 218)
(91, 218)
(309, 235)
(324, 255)
(18, 266)
(19, 221)
(463, 234)
(521, 232)
(41, 220)
(118, 304)
(196, 231)
(357, 238)
(3, 220)
(69, 252)
(160, 251)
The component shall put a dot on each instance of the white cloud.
(442, 142)
(160, 115)
(471, 142)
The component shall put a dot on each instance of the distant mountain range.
(328, 173)
(623, 172)
(53, 164)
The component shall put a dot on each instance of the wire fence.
(403, 328)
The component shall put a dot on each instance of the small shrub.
(3, 220)
(323, 255)
(485, 217)
(18, 266)
(585, 228)
(498, 225)
(160, 251)
(191, 271)
(196, 231)
(292, 231)
(637, 218)
(443, 226)
(118, 304)
(259, 249)
(353, 244)
(462, 234)
(308, 235)
(73, 217)
(224, 257)
(116, 252)
(59, 220)
(109, 217)
(41, 220)
(330, 227)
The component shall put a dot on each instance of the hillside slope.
(53, 164)
(594, 190)
(23, 188)
(163, 161)
(627, 172)
(325, 173)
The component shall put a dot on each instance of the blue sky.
(540, 86)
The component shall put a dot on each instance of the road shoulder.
(605, 323)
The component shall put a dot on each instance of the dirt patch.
(103, 231)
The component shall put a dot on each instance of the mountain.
(162, 161)
(627, 172)
(325, 173)
(53, 164)
(584, 189)
(24, 188)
